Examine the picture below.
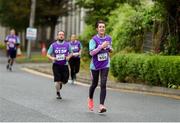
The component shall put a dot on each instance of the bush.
(85, 37)
(152, 70)
(2, 45)
(125, 26)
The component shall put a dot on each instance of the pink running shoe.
(90, 104)
(102, 108)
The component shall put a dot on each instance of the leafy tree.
(170, 27)
(48, 12)
(15, 13)
(101, 9)
(126, 27)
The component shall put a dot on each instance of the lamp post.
(31, 24)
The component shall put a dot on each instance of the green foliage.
(97, 9)
(152, 12)
(172, 45)
(170, 15)
(153, 70)
(127, 23)
(89, 31)
(48, 11)
(85, 37)
(125, 26)
(14, 13)
(100, 9)
(2, 45)
(35, 58)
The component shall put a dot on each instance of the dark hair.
(60, 31)
(98, 22)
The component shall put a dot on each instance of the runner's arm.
(80, 51)
(18, 41)
(49, 53)
(92, 50)
(70, 53)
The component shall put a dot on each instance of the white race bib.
(102, 56)
(60, 57)
(74, 47)
(11, 45)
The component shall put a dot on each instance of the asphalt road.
(28, 97)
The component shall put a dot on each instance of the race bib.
(60, 57)
(74, 48)
(11, 45)
(102, 56)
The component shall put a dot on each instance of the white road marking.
(119, 90)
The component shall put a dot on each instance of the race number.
(75, 47)
(60, 57)
(11, 45)
(102, 56)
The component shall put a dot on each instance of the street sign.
(31, 33)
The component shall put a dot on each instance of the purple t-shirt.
(13, 40)
(75, 47)
(101, 59)
(60, 51)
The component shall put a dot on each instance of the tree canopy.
(100, 9)
(16, 13)
(128, 26)
(48, 12)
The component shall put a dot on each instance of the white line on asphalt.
(37, 73)
(46, 75)
(119, 90)
(148, 93)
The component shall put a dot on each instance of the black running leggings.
(74, 65)
(95, 79)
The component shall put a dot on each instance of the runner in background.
(12, 42)
(74, 61)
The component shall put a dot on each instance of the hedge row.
(2, 45)
(150, 69)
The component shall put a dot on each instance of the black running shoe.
(10, 68)
(58, 95)
(7, 67)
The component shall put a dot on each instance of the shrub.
(127, 26)
(152, 70)
(85, 37)
(2, 45)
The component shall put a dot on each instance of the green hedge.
(2, 45)
(153, 70)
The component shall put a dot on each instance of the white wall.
(2, 33)
(73, 23)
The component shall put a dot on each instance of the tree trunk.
(52, 32)
(53, 25)
(154, 37)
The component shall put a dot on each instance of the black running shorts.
(12, 53)
(61, 73)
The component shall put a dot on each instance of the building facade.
(74, 22)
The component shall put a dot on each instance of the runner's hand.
(75, 54)
(53, 59)
(105, 44)
(67, 58)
